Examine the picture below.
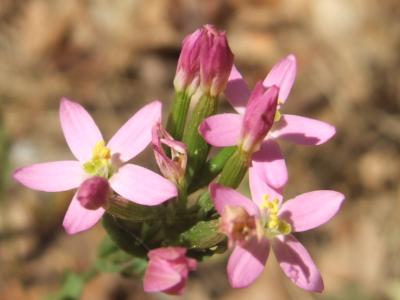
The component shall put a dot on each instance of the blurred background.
(114, 56)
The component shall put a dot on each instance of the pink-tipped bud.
(259, 116)
(205, 61)
(173, 167)
(168, 270)
(239, 226)
(93, 192)
(216, 61)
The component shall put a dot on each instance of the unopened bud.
(205, 61)
(93, 192)
(259, 117)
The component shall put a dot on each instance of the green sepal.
(128, 210)
(203, 235)
(125, 239)
(211, 169)
(234, 170)
(177, 117)
(197, 149)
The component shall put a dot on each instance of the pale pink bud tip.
(168, 270)
(259, 116)
(93, 192)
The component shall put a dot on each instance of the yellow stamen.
(274, 226)
(100, 164)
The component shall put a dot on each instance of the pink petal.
(160, 276)
(247, 263)
(237, 91)
(222, 130)
(135, 134)
(260, 188)
(169, 253)
(52, 176)
(142, 186)
(270, 165)
(80, 131)
(297, 264)
(303, 131)
(223, 196)
(282, 75)
(310, 210)
(77, 218)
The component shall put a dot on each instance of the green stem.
(197, 148)
(177, 117)
(211, 169)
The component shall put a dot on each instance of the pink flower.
(168, 270)
(205, 61)
(225, 129)
(95, 158)
(172, 168)
(278, 221)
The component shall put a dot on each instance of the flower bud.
(172, 168)
(216, 61)
(205, 61)
(93, 192)
(168, 270)
(258, 117)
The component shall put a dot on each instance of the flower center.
(100, 163)
(238, 225)
(273, 225)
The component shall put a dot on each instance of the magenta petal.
(260, 188)
(303, 131)
(237, 91)
(246, 263)
(77, 218)
(282, 75)
(297, 264)
(270, 165)
(222, 130)
(310, 210)
(80, 131)
(223, 196)
(142, 186)
(135, 134)
(169, 253)
(160, 276)
(52, 176)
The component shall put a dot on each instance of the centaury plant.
(160, 226)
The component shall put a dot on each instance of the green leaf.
(124, 239)
(72, 288)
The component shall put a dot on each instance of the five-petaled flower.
(95, 158)
(168, 270)
(225, 129)
(276, 221)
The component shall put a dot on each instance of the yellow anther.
(278, 116)
(274, 225)
(100, 151)
(99, 164)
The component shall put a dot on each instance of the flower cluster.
(191, 210)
